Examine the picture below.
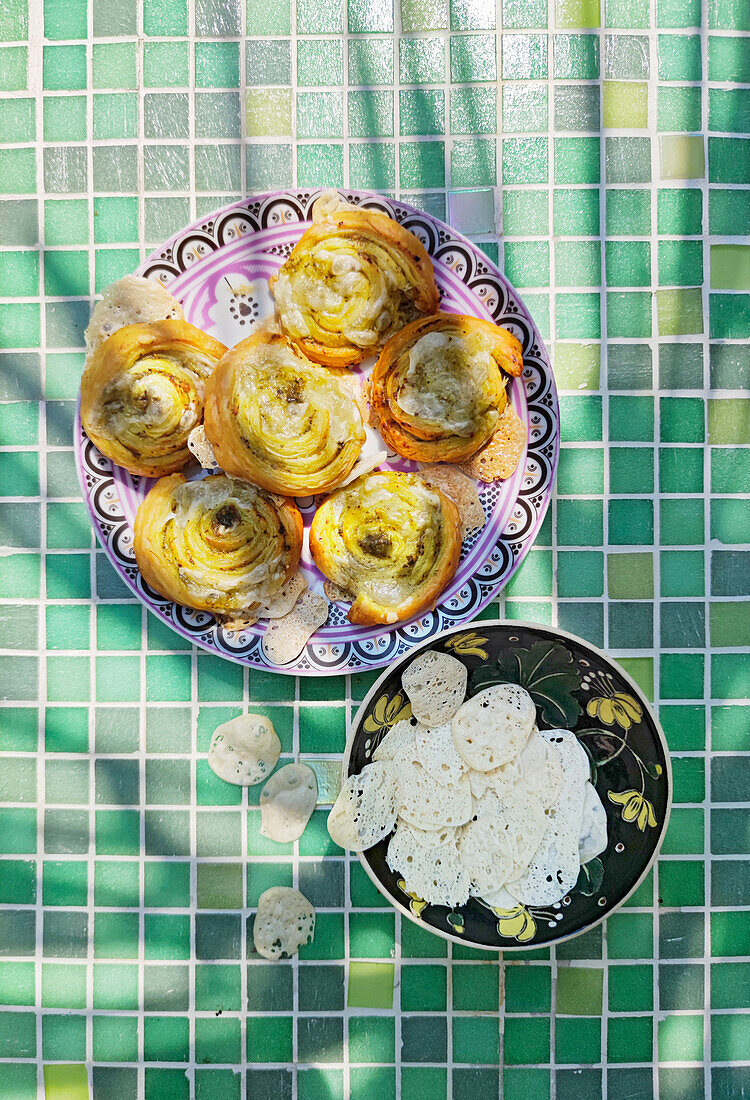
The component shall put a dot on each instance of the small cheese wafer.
(285, 638)
(499, 458)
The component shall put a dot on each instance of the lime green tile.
(730, 267)
(625, 105)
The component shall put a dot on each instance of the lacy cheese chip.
(285, 921)
(555, 866)
(435, 683)
(365, 810)
(493, 726)
(286, 802)
(244, 750)
(429, 864)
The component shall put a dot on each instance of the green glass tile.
(629, 264)
(170, 18)
(370, 114)
(680, 263)
(527, 263)
(577, 1040)
(679, 57)
(682, 522)
(578, 316)
(727, 60)
(680, 1038)
(320, 114)
(626, 57)
(629, 1039)
(217, 64)
(116, 884)
(683, 625)
(64, 883)
(524, 160)
(370, 61)
(524, 108)
(727, 160)
(269, 1039)
(472, 58)
(271, 63)
(320, 165)
(576, 56)
(628, 159)
(729, 367)
(629, 313)
(577, 366)
(527, 1040)
(63, 1037)
(681, 419)
(631, 470)
(165, 64)
(364, 17)
(217, 1040)
(680, 366)
(576, 160)
(729, 316)
(678, 108)
(319, 61)
(424, 1039)
(580, 472)
(577, 263)
(729, 521)
(628, 213)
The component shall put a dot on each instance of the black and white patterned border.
(497, 296)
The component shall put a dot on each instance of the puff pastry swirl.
(438, 387)
(354, 277)
(142, 394)
(280, 421)
(217, 544)
(390, 540)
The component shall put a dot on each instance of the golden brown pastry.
(353, 279)
(216, 544)
(280, 421)
(390, 540)
(438, 387)
(142, 394)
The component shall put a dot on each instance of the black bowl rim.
(488, 624)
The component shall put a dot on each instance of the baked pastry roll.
(390, 540)
(438, 387)
(280, 421)
(353, 279)
(217, 544)
(142, 394)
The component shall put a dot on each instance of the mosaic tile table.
(609, 145)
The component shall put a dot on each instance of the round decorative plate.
(575, 687)
(219, 270)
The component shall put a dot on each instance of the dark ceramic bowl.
(576, 687)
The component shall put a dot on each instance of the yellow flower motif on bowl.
(416, 904)
(468, 645)
(634, 808)
(616, 708)
(516, 924)
(386, 713)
